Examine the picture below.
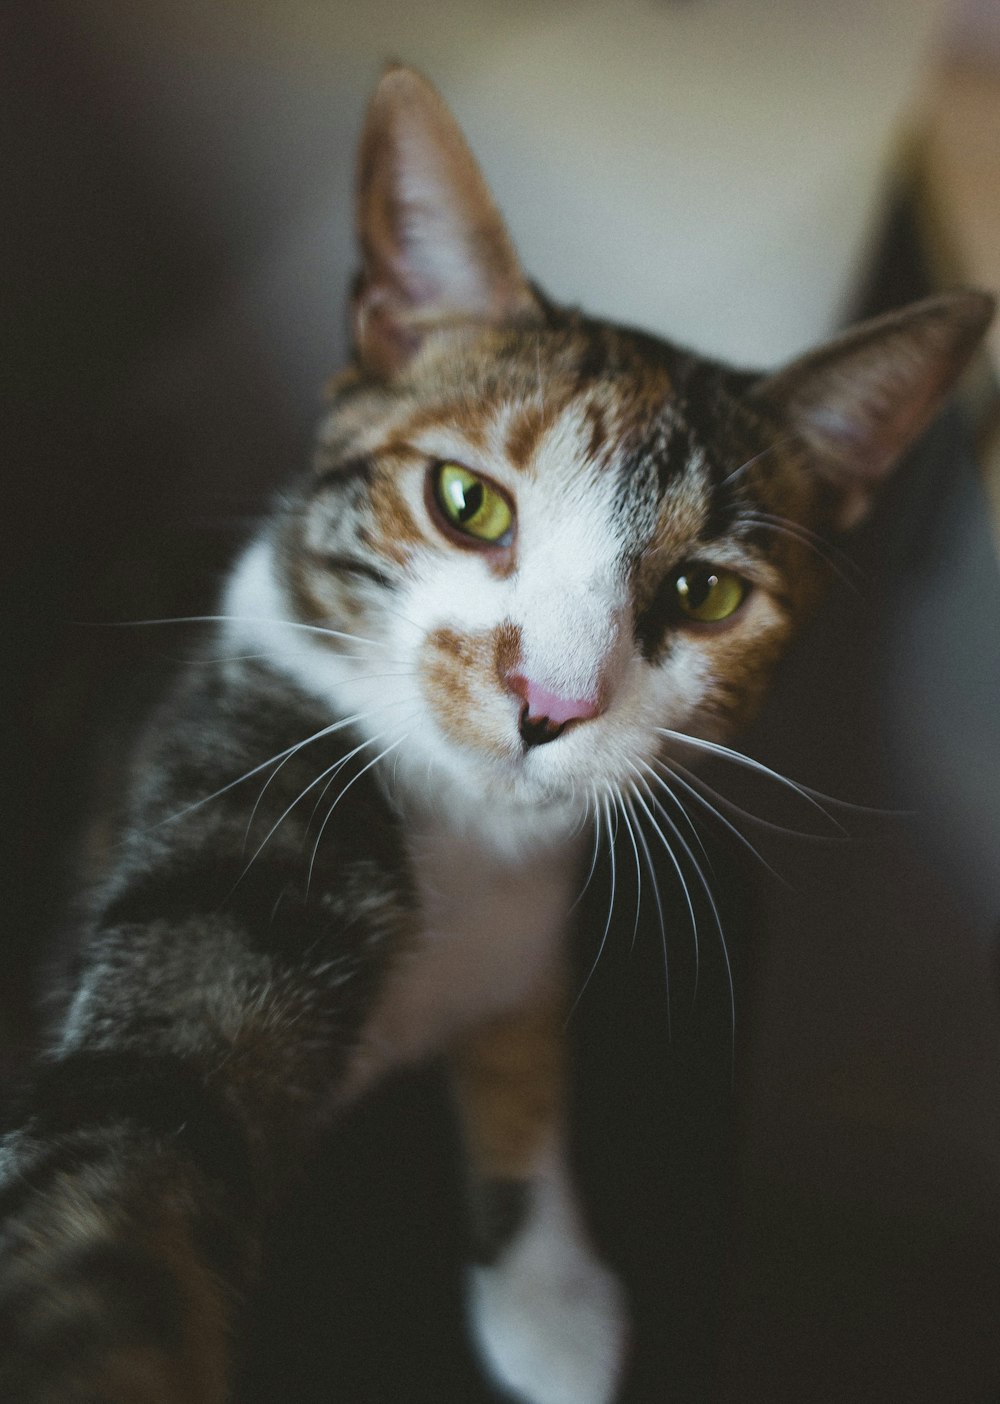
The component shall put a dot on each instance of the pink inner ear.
(542, 703)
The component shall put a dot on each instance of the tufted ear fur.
(434, 248)
(861, 400)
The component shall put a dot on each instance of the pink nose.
(545, 714)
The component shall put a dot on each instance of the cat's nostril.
(536, 731)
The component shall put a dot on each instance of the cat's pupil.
(699, 585)
(468, 499)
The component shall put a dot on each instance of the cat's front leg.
(129, 1231)
(548, 1317)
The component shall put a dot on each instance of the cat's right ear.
(433, 245)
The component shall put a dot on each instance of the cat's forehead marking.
(684, 499)
(397, 529)
(526, 428)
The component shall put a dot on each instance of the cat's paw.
(550, 1320)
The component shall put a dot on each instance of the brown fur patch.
(506, 650)
(598, 445)
(458, 675)
(526, 431)
(742, 664)
(462, 414)
(397, 530)
(510, 1079)
(202, 1372)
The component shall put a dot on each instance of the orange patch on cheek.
(506, 650)
(740, 667)
(459, 673)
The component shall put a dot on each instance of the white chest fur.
(493, 933)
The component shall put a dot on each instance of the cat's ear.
(434, 248)
(860, 401)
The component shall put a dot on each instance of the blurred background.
(739, 175)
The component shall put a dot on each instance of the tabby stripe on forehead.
(346, 471)
(593, 362)
(338, 564)
(598, 445)
(526, 432)
(675, 460)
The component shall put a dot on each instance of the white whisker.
(353, 781)
(811, 797)
(330, 770)
(612, 834)
(675, 862)
(651, 868)
(596, 847)
(749, 462)
(706, 888)
(796, 532)
(240, 779)
(638, 869)
(716, 813)
(338, 726)
(682, 812)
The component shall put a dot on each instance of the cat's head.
(559, 536)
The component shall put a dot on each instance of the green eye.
(472, 505)
(708, 594)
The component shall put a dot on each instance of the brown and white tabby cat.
(539, 557)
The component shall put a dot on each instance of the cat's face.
(571, 530)
(552, 539)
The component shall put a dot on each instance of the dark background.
(824, 1224)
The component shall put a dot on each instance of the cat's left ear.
(860, 401)
(434, 247)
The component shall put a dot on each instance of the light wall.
(710, 170)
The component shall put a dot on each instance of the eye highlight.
(472, 505)
(708, 594)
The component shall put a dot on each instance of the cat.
(539, 560)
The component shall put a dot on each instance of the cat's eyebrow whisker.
(748, 463)
(717, 815)
(836, 561)
(811, 797)
(612, 835)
